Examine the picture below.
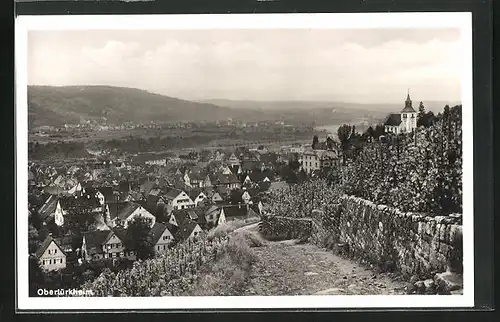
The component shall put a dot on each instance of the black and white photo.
(244, 161)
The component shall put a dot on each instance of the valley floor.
(288, 268)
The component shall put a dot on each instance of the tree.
(370, 132)
(33, 239)
(138, 237)
(315, 142)
(329, 143)
(379, 131)
(288, 175)
(344, 133)
(294, 164)
(302, 176)
(421, 114)
(36, 276)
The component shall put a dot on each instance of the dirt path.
(288, 268)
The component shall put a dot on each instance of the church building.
(404, 122)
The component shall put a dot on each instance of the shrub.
(230, 273)
(252, 238)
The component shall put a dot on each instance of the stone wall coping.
(450, 218)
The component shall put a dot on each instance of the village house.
(197, 196)
(233, 160)
(226, 170)
(122, 213)
(106, 244)
(75, 190)
(178, 199)
(216, 215)
(161, 237)
(310, 161)
(154, 196)
(249, 194)
(212, 215)
(195, 178)
(240, 212)
(157, 162)
(214, 196)
(207, 183)
(186, 226)
(50, 255)
(403, 122)
(228, 181)
(314, 160)
(56, 208)
(258, 177)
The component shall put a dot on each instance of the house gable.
(196, 231)
(141, 212)
(59, 215)
(165, 239)
(217, 197)
(222, 217)
(51, 256)
(172, 220)
(112, 239)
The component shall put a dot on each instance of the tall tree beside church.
(315, 142)
(370, 132)
(344, 133)
(421, 114)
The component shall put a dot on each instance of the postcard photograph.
(244, 161)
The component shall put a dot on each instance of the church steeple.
(408, 104)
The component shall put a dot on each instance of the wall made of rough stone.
(408, 243)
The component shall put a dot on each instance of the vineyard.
(419, 172)
(170, 274)
(300, 200)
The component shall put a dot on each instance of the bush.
(252, 238)
(231, 272)
(220, 230)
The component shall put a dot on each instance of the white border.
(243, 21)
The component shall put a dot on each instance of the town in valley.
(240, 162)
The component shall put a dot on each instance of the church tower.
(408, 116)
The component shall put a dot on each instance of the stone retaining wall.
(414, 245)
(409, 243)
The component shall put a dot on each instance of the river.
(329, 129)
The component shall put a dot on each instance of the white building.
(404, 122)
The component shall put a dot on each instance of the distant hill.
(53, 105)
(436, 106)
(327, 113)
(49, 105)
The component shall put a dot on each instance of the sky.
(343, 65)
